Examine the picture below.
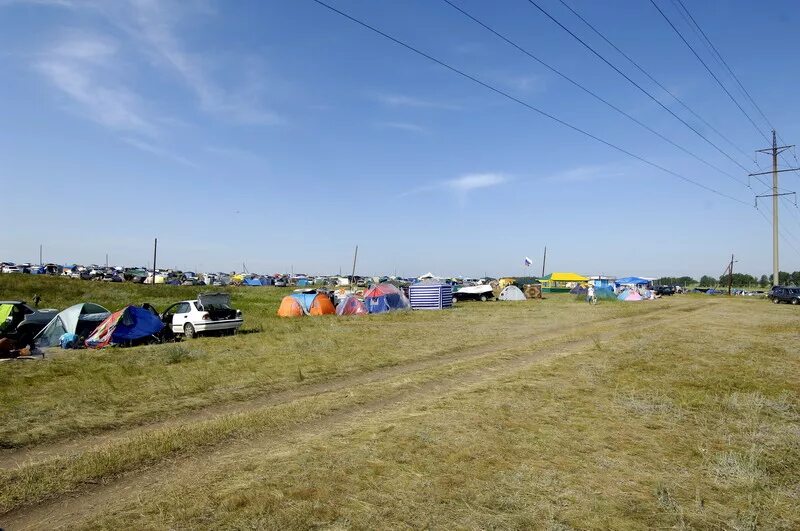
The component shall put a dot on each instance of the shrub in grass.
(176, 354)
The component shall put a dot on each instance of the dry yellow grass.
(553, 414)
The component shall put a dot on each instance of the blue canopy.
(636, 281)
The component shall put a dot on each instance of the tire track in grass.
(68, 510)
(27, 455)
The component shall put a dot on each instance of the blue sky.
(280, 134)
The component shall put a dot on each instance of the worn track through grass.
(27, 455)
(70, 510)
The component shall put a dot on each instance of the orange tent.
(321, 305)
(290, 307)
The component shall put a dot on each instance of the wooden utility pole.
(730, 275)
(775, 150)
(544, 259)
(355, 257)
(155, 252)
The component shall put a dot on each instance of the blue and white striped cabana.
(430, 294)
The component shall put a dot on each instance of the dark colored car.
(784, 294)
(24, 322)
(665, 290)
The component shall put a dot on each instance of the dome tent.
(80, 319)
(309, 302)
(128, 324)
(511, 293)
(290, 307)
(351, 306)
(629, 295)
(385, 298)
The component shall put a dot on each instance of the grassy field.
(683, 412)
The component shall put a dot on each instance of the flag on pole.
(528, 262)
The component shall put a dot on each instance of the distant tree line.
(739, 280)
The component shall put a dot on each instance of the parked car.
(23, 322)
(479, 292)
(665, 290)
(211, 312)
(784, 294)
(12, 269)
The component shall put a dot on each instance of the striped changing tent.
(427, 295)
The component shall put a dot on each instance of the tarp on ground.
(511, 293)
(80, 319)
(351, 306)
(385, 298)
(128, 324)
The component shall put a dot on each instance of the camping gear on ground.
(511, 293)
(385, 298)
(351, 306)
(69, 340)
(128, 324)
(80, 319)
(629, 295)
(430, 294)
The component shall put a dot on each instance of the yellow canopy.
(567, 277)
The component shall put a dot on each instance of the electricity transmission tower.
(775, 150)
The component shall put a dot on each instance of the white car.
(211, 312)
(12, 269)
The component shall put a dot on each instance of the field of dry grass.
(683, 412)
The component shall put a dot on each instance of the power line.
(677, 31)
(523, 103)
(654, 80)
(722, 60)
(725, 63)
(635, 84)
(586, 90)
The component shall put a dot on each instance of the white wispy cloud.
(151, 23)
(403, 126)
(474, 181)
(586, 173)
(402, 100)
(83, 67)
(159, 151)
(464, 184)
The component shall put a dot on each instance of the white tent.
(427, 276)
(511, 293)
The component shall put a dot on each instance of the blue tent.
(251, 282)
(636, 281)
(129, 324)
(385, 298)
